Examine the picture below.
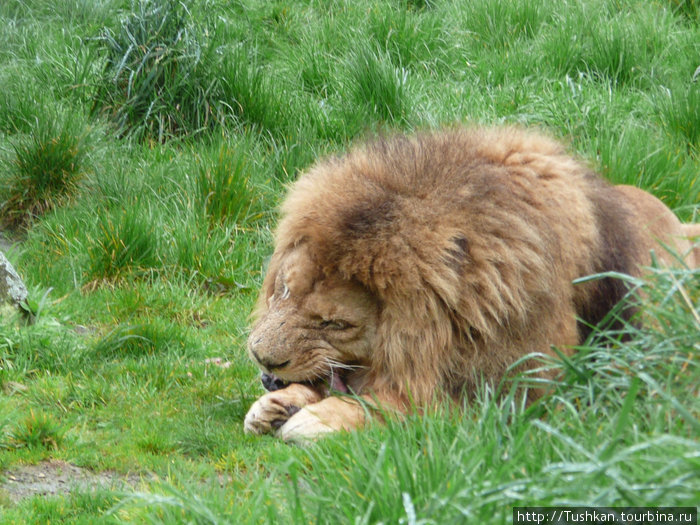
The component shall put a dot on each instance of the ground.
(50, 478)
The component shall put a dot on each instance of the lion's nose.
(272, 382)
(269, 364)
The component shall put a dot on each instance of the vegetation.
(144, 145)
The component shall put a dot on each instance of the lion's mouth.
(334, 383)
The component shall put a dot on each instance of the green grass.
(144, 146)
(45, 169)
(37, 430)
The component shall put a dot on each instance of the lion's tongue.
(338, 384)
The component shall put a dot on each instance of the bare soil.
(51, 478)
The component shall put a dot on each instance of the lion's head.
(315, 327)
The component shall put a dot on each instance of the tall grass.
(378, 86)
(154, 80)
(680, 113)
(125, 241)
(45, 169)
(223, 190)
(503, 24)
(166, 76)
(253, 96)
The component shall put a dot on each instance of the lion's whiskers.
(334, 364)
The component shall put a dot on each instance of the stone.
(12, 289)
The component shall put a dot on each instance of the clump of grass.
(631, 155)
(22, 102)
(659, 360)
(216, 257)
(164, 76)
(315, 68)
(410, 39)
(614, 52)
(378, 86)
(254, 98)
(125, 242)
(501, 23)
(45, 170)
(197, 248)
(156, 441)
(38, 430)
(619, 48)
(44, 345)
(419, 4)
(156, 78)
(679, 110)
(223, 188)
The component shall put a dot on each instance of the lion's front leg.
(272, 410)
(333, 414)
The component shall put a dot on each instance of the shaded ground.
(5, 243)
(50, 478)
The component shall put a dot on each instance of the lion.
(411, 269)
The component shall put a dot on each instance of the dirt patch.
(51, 478)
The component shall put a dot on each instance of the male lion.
(412, 268)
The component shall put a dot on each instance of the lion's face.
(315, 327)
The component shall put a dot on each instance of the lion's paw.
(268, 414)
(304, 426)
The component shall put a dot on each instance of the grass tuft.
(125, 242)
(679, 109)
(378, 86)
(502, 23)
(410, 39)
(37, 430)
(632, 156)
(155, 81)
(45, 171)
(223, 188)
(253, 95)
(608, 46)
(688, 8)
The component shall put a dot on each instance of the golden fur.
(413, 268)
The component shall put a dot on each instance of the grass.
(46, 168)
(152, 64)
(144, 146)
(37, 430)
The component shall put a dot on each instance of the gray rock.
(12, 289)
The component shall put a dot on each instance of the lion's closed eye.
(334, 324)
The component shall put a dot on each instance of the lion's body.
(453, 255)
